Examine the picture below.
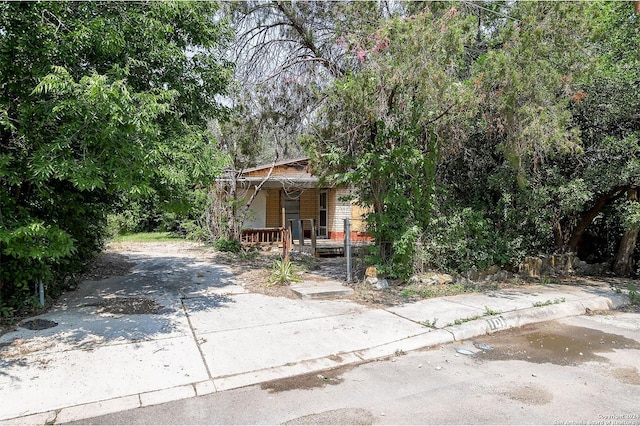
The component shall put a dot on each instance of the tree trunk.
(624, 259)
(591, 214)
(233, 225)
(242, 215)
(558, 235)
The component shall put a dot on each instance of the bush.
(466, 238)
(32, 249)
(227, 245)
(132, 216)
(403, 255)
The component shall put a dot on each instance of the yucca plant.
(283, 272)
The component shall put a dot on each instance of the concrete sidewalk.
(196, 331)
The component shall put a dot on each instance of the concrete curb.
(430, 338)
(522, 317)
(109, 406)
(514, 319)
(320, 293)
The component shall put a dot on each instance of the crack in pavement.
(195, 339)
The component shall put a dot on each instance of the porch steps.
(321, 290)
(321, 250)
(329, 251)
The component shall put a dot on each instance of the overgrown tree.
(558, 90)
(610, 124)
(386, 123)
(99, 101)
(289, 52)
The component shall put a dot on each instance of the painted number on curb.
(496, 323)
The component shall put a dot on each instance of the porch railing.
(262, 236)
(276, 236)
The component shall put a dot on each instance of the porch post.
(285, 244)
(300, 232)
(347, 246)
(290, 228)
(284, 225)
(313, 237)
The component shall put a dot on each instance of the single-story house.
(292, 186)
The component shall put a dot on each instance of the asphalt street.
(578, 370)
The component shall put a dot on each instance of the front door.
(291, 204)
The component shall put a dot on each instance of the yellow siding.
(274, 214)
(338, 209)
(309, 206)
(358, 215)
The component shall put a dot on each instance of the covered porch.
(302, 241)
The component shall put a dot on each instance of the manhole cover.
(37, 324)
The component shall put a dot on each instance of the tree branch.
(591, 214)
(307, 42)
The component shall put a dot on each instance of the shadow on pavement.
(145, 304)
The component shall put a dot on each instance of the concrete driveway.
(179, 326)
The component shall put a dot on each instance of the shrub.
(466, 238)
(227, 245)
(405, 249)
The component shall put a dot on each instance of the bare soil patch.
(127, 306)
(253, 270)
(106, 265)
(167, 247)
(37, 324)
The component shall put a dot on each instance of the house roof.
(292, 161)
(293, 173)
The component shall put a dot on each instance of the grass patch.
(490, 312)
(633, 294)
(414, 291)
(430, 324)
(544, 280)
(549, 302)
(146, 237)
(460, 321)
